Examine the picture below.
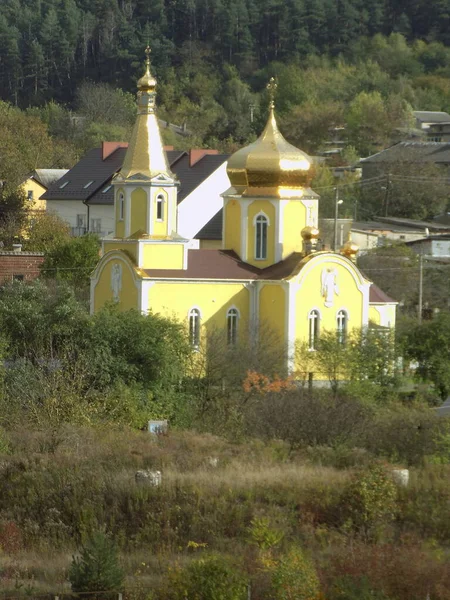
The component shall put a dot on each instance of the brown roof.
(376, 295)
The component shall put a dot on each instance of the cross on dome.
(272, 87)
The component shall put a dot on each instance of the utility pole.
(386, 196)
(336, 208)
(420, 286)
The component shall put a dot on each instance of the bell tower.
(270, 201)
(145, 192)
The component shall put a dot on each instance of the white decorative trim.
(108, 257)
(234, 307)
(244, 230)
(255, 221)
(280, 207)
(291, 289)
(144, 295)
(261, 214)
(195, 307)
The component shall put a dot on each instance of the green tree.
(44, 232)
(97, 568)
(429, 344)
(73, 260)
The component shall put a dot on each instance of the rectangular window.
(30, 194)
(63, 185)
(96, 225)
(88, 184)
(81, 220)
(261, 238)
(159, 209)
(18, 277)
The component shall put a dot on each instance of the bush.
(211, 578)
(295, 577)
(97, 568)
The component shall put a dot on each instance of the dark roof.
(438, 238)
(379, 226)
(93, 168)
(48, 176)
(192, 177)
(213, 229)
(413, 223)
(376, 295)
(432, 152)
(432, 116)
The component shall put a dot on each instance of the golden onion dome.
(309, 233)
(269, 163)
(350, 249)
(147, 81)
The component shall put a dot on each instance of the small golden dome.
(270, 161)
(147, 81)
(309, 233)
(350, 249)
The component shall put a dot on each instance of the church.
(271, 271)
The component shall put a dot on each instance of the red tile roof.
(377, 295)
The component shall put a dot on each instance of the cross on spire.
(147, 55)
(272, 87)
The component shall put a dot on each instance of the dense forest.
(68, 71)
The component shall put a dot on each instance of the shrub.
(295, 577)
(97, 568)
(211, 578)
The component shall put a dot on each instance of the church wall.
(129, 248)
(272, 312)
(232, 225)
(346, 297)
(294, 219)
(266, 207)
(163, 256)
(138, 210)
(128, 295)
(212, 299)
(383, 315)
(210, 244)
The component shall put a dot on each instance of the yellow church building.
(269, 271)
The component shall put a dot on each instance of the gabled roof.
(432, 152)
(377, 296)
(213, 229)
(93, 168)
(431, 116)
(48, 176)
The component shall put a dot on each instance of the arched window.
(341, 326)
(160, 208)
(121, 207)
(313, 322)
(261, 224)
(194, 327)
(232, 326)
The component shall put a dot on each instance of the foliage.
(97, 567)
(428, 344)
(211, 578)
(295, 577)
(73, 260)
(45, 232)
(369, 502)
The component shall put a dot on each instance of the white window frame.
(121, 201)
(313, 328)
(81, 221)
(232, 326)
(262, 220)
(195, 324)
(342, 326)
(96, 225)
(160, 201)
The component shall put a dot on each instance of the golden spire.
(145, 157)
(350, 249)
(272, 87)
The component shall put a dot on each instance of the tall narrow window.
(313, 319)
(261, 238)
(341, 322)
(121, 206)
(232, 325)
(160, 208)
(194, 327)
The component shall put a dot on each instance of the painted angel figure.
(116, 281)
(330, 286)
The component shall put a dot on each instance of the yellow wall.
(232, 229)
(268, 209)
(38, 190)
(131, 248)
(120, 224)
(138, 210)
(160, 227)
(163, 256)
(128, 297)
(294, 219)
(272, 312)
(210, 244)
(309, 297)
(213, 300)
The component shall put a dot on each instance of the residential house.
(434, 246)
(37, 183)
(84, 197)
(434, 125)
